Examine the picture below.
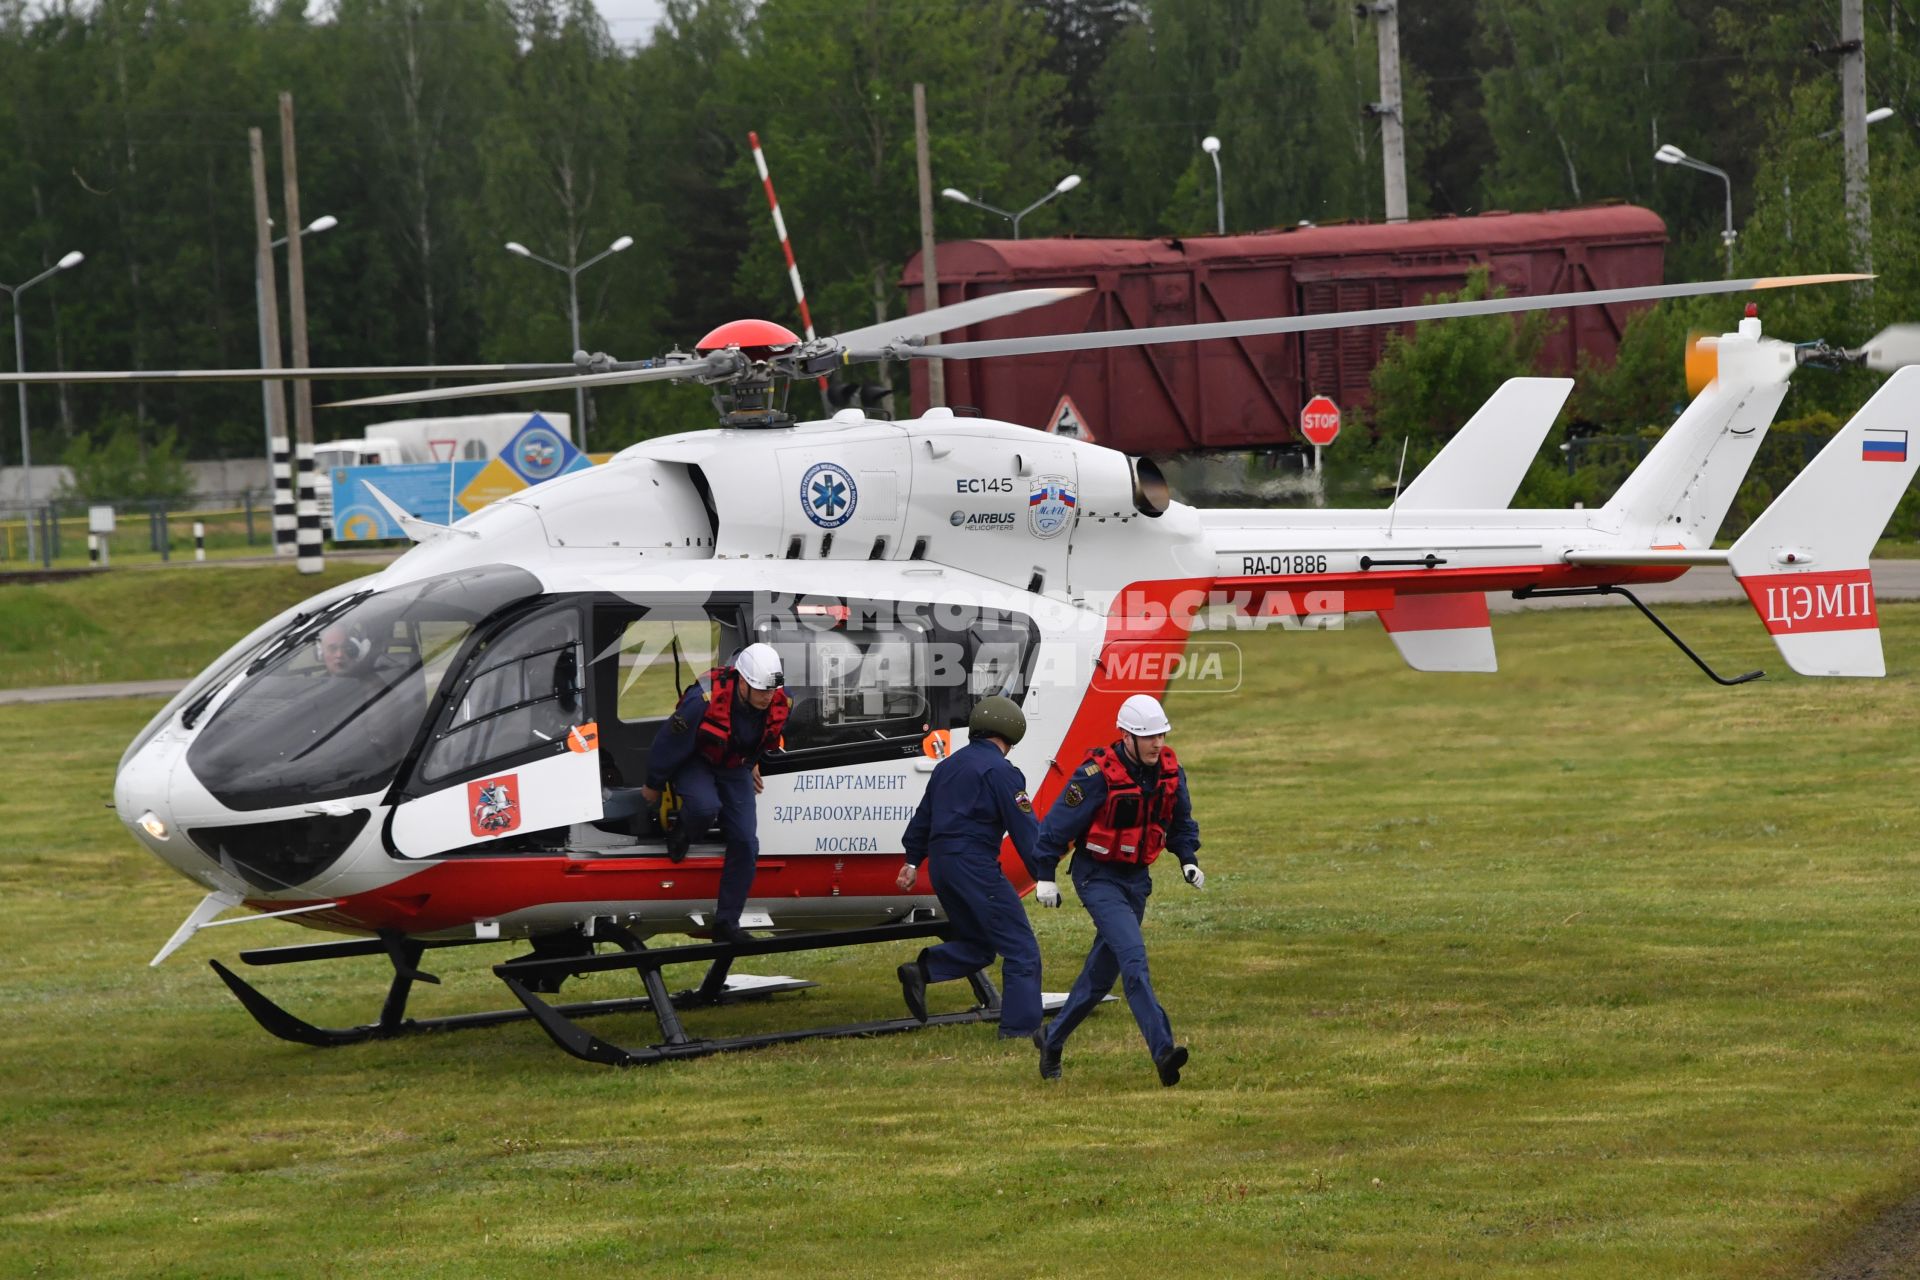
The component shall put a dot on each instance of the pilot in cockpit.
(345, 650)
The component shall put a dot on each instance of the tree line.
(438, 130)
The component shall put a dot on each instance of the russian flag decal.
(1882, 445)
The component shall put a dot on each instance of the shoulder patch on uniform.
(1073, 795)
(1089, 769)
(677, 723)
(1023, 802)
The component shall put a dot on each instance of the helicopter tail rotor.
(1894, 347)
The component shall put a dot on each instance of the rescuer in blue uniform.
(710, 751)
(974, 797)
(1119, 810)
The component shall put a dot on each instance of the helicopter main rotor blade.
(1345, 319)
(289, 375)
(874, 341)
(719, 362)
(1893, 347)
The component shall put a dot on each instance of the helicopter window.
(853, 685)
(522, 693)
(999, 660)
(657, 658)
(330, 708)
(644, 657)
(193, 700)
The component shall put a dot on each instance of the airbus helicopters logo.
(1050, 506)
(828, 494)
(983, 520)
(494, 805)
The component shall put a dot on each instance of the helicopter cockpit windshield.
(333, 709)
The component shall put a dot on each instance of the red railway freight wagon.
(1248, 393)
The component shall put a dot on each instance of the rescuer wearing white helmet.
(710, 753)
(1119, 810)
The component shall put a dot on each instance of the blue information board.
(424, 489)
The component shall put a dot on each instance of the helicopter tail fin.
(1803, 563)
(1479, 469)
(1443, 632)
(1482, 466)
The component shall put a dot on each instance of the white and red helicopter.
(470, 779)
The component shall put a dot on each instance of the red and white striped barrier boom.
(786, 244)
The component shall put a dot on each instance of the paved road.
(1892, 580)
(81, 692)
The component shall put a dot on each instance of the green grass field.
(145, 625)
(1590, 968)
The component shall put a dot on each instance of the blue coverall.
(705, 790)
(1115, 895)
(974, 796)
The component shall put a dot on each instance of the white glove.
(1195, 876)
(1047, 893)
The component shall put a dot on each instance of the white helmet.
(1143, 716)
(759, 666)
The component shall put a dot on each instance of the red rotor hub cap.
(750, 336)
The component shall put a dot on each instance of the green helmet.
(1000, 717)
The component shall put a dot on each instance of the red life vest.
(714, 737)
(1129, 827)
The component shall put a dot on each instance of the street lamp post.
(573, 311)
(1060, 188)
(1211, 145)
(1670, 154)
(326, 222)
(73, 259)
(1873, 117)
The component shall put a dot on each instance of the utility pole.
(307, 508)
(1393, 135)
(929, 272)
(1853, 116)
(267, 299)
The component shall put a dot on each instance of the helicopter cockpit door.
(515, 750)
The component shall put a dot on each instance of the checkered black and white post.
(308, 512)
(283, 509)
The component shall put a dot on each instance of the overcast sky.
(631, 21)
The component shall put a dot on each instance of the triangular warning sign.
(1068, 421)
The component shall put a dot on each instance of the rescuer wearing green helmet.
(976, 796)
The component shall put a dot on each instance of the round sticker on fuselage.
(828, 494)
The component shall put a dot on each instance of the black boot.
(913, 985)
(1049, 1058)
(679, 840)
(1169, 1063)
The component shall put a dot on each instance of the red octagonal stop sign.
(1320, 421)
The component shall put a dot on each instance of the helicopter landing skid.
(529, 978)
(523, 976)
(405, 954)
